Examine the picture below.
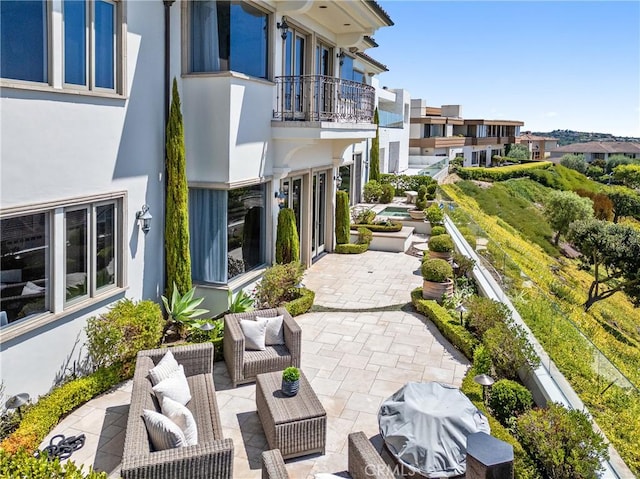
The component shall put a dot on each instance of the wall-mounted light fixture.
(338, 180)
(284, 27)
(341, 57)
(144, 219)
(281, 197)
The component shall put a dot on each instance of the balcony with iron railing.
(320, 98)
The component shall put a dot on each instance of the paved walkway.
(354, 360)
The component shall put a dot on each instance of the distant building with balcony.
(539, 146)
(598, 150)
(442, 132)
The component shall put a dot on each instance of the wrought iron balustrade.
(323, 98)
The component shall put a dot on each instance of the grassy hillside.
(612, 325)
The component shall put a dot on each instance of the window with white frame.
(89, 243)
(24, 39)
(90, 43)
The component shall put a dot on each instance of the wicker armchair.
(243, 365)
(212, 457)
(364, 461)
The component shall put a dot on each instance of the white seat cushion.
(254, 334)
(165, 368)
(163, 432)
(275, 330)
(183, 418)
(175, 387)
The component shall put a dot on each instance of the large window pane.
(246, 229)
(24, 267)
(23, 40)
(228, 36)
(105, 246)
(75, 42)
(104, 44)
(207, 234)
(76, 253)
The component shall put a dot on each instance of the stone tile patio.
(354, 360)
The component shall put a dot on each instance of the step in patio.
(397, 242)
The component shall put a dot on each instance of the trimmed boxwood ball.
(441, 243)
(437, 270)
(509, 399)
(434, 215)
(388, 192)
(438, 230)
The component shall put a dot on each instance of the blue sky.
(566, 65)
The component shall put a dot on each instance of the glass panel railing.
(611, 396)
(388, 119)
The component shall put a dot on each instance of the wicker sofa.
(243, 365)
(212, 457)
(364, 461)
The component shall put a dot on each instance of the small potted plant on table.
(290, 381)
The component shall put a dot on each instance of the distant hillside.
(566, 137)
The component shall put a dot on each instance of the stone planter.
(436, 291)
(448, 256)
(416, 214)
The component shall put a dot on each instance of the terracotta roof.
(373, 61)
(530, 137)
(380, 11)
(600, 147)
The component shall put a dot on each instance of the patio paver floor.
(354, 360)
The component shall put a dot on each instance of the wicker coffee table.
(296, 425)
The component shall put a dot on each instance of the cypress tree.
(374, 167)
(342, 217)
(177, 214)
(287, 242)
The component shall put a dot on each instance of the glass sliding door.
(319, 208)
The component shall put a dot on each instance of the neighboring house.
(277, 100)
(442, 132)
(598, 150)
(539, 146)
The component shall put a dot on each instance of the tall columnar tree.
(563, 208)
(612, 252)
(374, 163)
(287, 241)
(177, 213)
(342, 217)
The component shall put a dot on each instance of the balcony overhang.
(321, 130)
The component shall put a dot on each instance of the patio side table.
(296, 425)
(411, 196)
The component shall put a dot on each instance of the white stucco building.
(277, 99)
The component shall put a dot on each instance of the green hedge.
(351, 248)
(302, 304)
(25, 465)
(524, 467)
(450, 328)
(394, 227)
(501, 173)
(47, 412)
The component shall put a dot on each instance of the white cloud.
(551, 114)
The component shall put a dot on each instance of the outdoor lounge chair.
(244, 365)
(364, 461)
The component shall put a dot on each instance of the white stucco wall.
(57, 146)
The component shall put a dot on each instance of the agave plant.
(240, 303)
(183, 309)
